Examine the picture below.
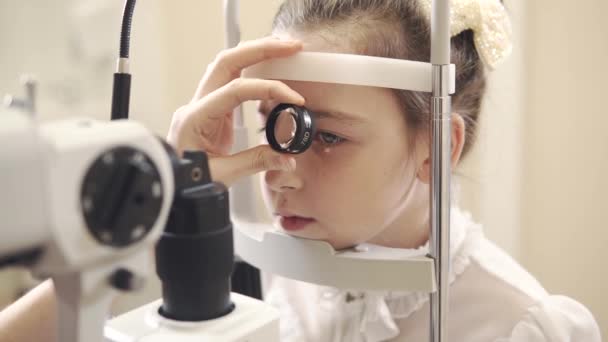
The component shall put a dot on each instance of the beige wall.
(534, 178)
(565, 212)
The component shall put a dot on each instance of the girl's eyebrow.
(319, 114)
(339, 116)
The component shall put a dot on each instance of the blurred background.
(536, 179)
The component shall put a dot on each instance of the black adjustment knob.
(125, 280)
(121, 196)
(195, 254)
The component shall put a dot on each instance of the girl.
(366, 176)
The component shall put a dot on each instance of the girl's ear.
(458, 139)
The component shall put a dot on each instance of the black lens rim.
(305, 129)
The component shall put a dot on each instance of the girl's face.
(358, 181)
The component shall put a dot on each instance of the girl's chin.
(312, 232)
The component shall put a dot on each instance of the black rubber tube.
(125, 31)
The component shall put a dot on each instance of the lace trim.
(382, 309)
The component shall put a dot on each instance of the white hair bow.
(490, 24)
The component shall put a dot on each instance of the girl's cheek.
(325, 151)
(336, 156)
(329, 166)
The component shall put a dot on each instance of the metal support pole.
(441, 168)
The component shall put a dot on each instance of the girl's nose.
(282, 181)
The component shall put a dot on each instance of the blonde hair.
(393, 29)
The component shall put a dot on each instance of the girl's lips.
(293, 223)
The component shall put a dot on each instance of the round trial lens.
(290, 128)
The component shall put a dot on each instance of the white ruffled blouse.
(492, 298)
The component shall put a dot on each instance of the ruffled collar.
(379, 310)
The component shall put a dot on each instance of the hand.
(206, 122)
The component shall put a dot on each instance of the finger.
(230, 169)
(215, 105)
(181, 135)
(229, 63)
(192, 123)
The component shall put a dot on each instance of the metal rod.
(439, 246)
(440, 32)
(231, 39)
(440, 217)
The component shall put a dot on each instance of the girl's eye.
(324, 138)
(329, 139)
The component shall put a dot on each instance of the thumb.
(229, 169)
